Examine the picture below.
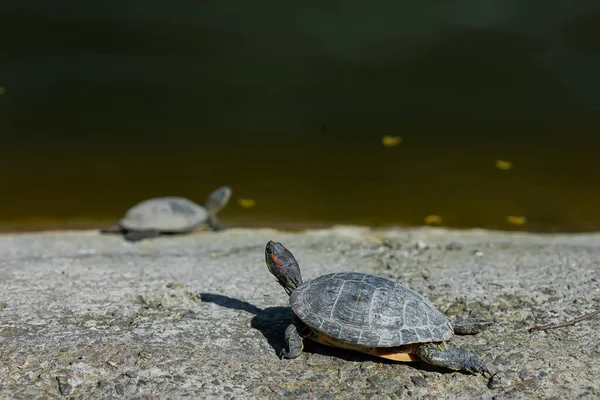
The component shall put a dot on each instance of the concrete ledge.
(90, 316)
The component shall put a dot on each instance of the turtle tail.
(112, 229)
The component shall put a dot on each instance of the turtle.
(369, 314)
(171, 214)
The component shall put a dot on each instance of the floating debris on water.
(246, 203)
(2, 90)
(516, 220)
(391, 141)
(503, 165)
(433, 219)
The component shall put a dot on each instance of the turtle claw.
(476, 366)
(283, 354)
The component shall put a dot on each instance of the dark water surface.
(108, 104)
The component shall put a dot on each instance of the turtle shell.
(164, 214)
(367, 310)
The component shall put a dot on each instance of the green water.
(108, 105)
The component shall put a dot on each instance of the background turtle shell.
(368, 310)
(165, 214)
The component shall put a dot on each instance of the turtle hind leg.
(136, 236)
(294, 340)
(452, 358)
(469, 326)
(116, 228)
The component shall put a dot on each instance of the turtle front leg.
(294, 340)
(469, 326)
(452, 358)
(216, 224)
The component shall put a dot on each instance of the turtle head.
(283, 265)
(217, 199)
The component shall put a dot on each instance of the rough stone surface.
(90, 316)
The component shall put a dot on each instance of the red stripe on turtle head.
(277, 262)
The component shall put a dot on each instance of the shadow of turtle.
(272, 322)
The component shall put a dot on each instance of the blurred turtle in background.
(170, 215)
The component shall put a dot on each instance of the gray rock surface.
(89, 316)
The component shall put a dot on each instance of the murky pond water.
(497, 112)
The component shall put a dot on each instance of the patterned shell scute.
(368, 310)
(168, 214)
